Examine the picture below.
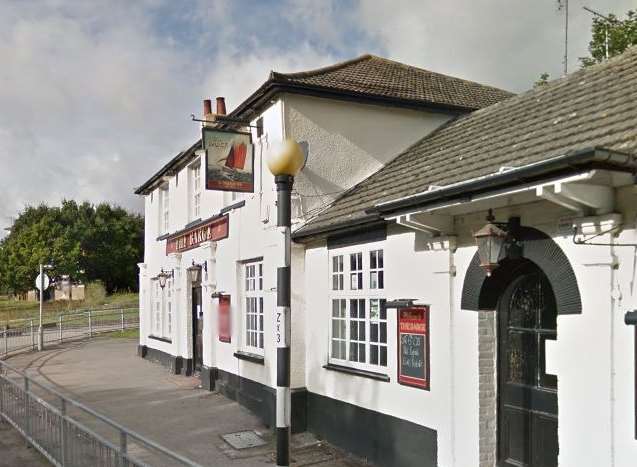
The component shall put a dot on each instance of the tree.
(84, 241)
(621, 35)
(542, 80)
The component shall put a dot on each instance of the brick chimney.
(207, 107)
(221, 106)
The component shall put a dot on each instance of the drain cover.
(243, 439)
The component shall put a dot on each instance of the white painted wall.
(360, 137)
(593, 356)
(348, 141)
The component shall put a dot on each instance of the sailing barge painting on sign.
(229, 160)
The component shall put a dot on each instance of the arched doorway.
(527, 395)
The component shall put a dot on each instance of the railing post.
(122, 448)
(32, 336)
(63, 432)
(122, 310)
(90, 325)
(60, 327)
(27, 408)
(6, 340)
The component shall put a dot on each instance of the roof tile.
(591, 107)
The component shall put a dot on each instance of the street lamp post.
(284, 165)
(40, 329)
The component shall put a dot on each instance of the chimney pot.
(207, 107)
(221, 106)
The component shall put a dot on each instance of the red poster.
(225, 331)
(413, 346)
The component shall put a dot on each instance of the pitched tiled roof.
(366, 78)
(593, 107)
(369, 75)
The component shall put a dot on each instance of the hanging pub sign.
(413, 346)
(225, 331)
(229, 160)
(207, 231)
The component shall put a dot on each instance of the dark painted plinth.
(382, 439)
(176, 365)
(261, 399)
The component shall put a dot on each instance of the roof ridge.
(418, 68)
(321, 70)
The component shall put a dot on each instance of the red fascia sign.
(224, 314)
(413, 346)
(208, 231)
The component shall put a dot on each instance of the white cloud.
(95, 96)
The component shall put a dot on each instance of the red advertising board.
(413, 346)
(208, 231)
(225, 330)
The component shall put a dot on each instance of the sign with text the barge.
(413, 346)
(229, 160)
(208, 231)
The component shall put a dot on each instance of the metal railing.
(58, 427)
(24, 335)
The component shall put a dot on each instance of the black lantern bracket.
(163, 276)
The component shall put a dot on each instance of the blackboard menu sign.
(413, 346)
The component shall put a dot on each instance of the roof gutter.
(463, 191)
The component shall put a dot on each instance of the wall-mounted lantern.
(194, 272)
(163, 276)
(491, 240)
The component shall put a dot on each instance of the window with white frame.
(164, 209)
(358, 331)
(157, 309)
(337, 272)
(195, 187)
(161, 319)
(168, 328)
(253, 312)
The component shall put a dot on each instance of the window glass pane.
(361, 330)
(380, 259)
(373, 332)
(372, 259)
(373, 354)
(353, 352)
(374, 309)
(381, 280)
(383, 356)
(521, 357)
(361, 353)
(353, 332)
(383, 332)
(383, 309)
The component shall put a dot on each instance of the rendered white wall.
(349, 141)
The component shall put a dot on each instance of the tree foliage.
(88, 242)
(621, 35)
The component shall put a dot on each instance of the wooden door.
(527, 396)
(197, 327)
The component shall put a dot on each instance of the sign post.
(42, 283)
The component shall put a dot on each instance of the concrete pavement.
(105, 374)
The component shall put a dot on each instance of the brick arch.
(480, 292)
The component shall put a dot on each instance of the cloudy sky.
(96, 95)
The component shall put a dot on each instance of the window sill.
(250, 357)
(161, 339)
(357, 372)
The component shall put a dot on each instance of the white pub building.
(463, 264)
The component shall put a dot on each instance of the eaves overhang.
(172, 167)
(464, 192)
